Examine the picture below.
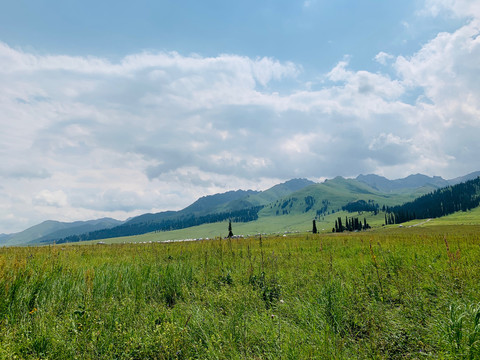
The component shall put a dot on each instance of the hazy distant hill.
(55, 229)
(79, 227)
(4, 237)
(462, 179)
(410, 182)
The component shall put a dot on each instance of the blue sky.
(119, 108)
(314, 33)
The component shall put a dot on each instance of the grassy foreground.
(409, 293)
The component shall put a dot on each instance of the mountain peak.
(295, 184)
(410, 182)
(211, 202)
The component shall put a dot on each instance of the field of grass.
(392, 293)
(471, 217)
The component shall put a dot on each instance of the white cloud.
(51, 198)
(458, 8)
(382, 57)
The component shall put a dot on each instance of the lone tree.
(230, 233)
(314, 229)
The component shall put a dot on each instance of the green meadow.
(388, 293)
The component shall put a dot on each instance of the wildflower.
(33, 311)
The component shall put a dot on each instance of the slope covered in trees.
(441, 202)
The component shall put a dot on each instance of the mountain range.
(412, 181)
(296, 196)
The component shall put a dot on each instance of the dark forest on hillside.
(441, 202)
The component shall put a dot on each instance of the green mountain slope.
(445, 201)
(217, 203)
(270, 195)
(226, 202)
(333, 194)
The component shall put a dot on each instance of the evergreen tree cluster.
(244, 215)
(351, 224)
(441, 202)
(309, 202)
(362, 205)
(285, 206)
(324, 208)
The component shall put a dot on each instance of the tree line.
(361, 205)
(351, 224)
(461, 197)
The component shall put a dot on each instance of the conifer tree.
(314, 229)
(340, 225)
(230, 233)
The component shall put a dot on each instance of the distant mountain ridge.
(461, 179)
(295, 196)
(51, 230)
(412, 181)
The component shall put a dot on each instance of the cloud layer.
(86, 137)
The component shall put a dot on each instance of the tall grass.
(397, 294)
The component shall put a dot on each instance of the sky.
(118, 108)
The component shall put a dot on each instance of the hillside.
(230, 201)
(445, 201)
(49, 230)
(270, 195)
(216, 203)
(331, 195)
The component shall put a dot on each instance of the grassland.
(392, 293)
